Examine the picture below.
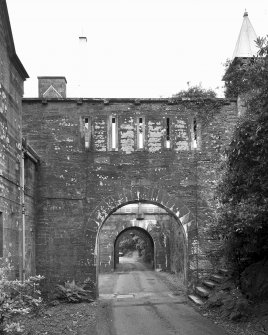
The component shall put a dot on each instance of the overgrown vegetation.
(203, 102)
(16, 300)
(196, 92)
(243, 191)
(73, 293)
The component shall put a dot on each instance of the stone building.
(107, 167)
(98, 155)
(17, 161)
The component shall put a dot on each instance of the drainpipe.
(23, 215)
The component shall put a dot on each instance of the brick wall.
(83, 178)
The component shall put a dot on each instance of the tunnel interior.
(149, 224)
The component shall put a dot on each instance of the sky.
(135, 48)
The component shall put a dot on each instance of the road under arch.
(162, 233)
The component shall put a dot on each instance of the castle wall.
(84, 172)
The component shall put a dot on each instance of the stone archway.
(172, 204)
(143, 234)
(160, 197)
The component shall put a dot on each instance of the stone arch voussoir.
(161, 197)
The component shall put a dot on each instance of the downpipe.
(22, 197)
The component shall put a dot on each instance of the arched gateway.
(98, 155)
(173, 205)
(85, 158)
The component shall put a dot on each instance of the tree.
(242, 219)
(245, 75)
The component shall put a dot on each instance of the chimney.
(82, 66)
(52, 87)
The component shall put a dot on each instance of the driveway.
(137, 301)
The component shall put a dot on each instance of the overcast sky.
(135, 48)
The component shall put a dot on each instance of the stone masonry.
(84, 159)
(94, 161)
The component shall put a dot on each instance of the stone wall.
(85, 174)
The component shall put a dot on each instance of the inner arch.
(133, 244)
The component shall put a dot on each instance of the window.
(194, 133)
(87, 132)
(113, 133)
(140, 132)
(1, 235)
(167, 142)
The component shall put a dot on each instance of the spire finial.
(245, 13)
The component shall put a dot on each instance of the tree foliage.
(196, 92)
(243, 191)
(132, 243)
(248, 74)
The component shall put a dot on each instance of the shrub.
(73, 293)
(16, 299)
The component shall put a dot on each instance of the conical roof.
(245, 45)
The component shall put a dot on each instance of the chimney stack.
(52, 87)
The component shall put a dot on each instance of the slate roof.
(4, 17)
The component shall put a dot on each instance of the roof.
(245, 45)
(136, 101)
(4, 17)
(52, 77)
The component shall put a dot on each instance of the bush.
(16, 299)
